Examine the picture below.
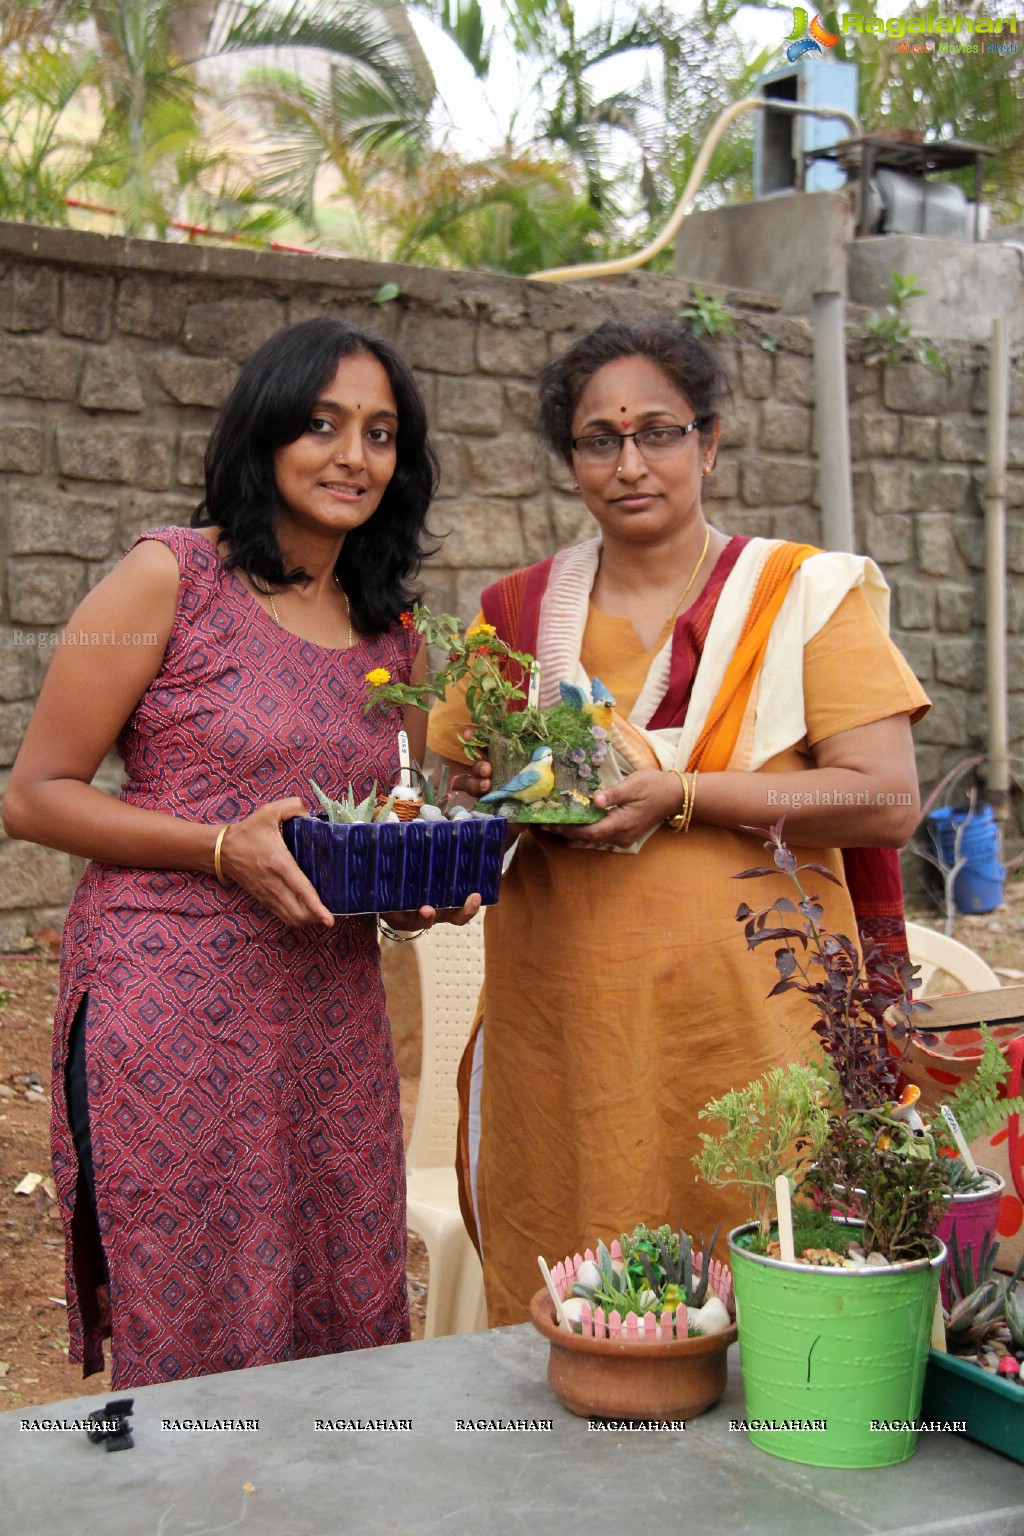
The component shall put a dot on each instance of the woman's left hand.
(426, 917)
(640, 802)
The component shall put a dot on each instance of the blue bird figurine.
(598, 708)
(535, 782)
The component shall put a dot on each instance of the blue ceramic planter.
(398, 866)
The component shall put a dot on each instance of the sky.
(476, 117)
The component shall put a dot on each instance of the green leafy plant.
(899, 1199)
(494, 675)
(493, 671)
(975, 1102)
(772, 1126)
(706, 315)
(892, 330)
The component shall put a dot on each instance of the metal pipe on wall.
(832, 421)
(995, 565)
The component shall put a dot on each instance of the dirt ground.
(34, 1366)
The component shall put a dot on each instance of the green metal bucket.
(833, 1359)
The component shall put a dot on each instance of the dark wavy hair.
(270, 405)
(693, 368)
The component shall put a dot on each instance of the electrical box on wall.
(781, 139)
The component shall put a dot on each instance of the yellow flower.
(481, 629)
(378, 677)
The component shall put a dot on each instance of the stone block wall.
(114, 356)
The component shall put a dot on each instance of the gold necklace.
(693, 578)
(268, 594)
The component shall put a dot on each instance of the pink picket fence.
(670, 1324)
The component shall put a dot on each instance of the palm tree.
(153, 150)
(41, 160)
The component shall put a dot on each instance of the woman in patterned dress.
(227, 1143)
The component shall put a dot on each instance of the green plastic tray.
(993, 1409)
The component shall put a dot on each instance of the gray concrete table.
(289, 1479)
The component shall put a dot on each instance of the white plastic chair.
(451, 970)
(935, 952)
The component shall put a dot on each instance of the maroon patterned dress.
(242, 1089)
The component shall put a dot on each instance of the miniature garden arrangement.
(640, 1329)
(853, 1266)
(546, 761)
(397, 849)
(978, 1379)
(408, 844)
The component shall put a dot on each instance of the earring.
(575, 487)
(707, 470)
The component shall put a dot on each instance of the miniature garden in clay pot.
(640, 1330)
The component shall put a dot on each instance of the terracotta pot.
(612, 1378)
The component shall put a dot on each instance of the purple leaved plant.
(850, 992)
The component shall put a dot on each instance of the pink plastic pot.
(971, 1217)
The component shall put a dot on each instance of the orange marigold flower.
(406, 620)
(378, 677)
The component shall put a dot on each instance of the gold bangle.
(679, 822)
(693, 800)
(221, 835)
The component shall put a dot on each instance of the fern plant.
(976, 1103)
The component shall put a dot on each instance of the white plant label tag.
(404, 760)
(958, 1137)
(533, 692)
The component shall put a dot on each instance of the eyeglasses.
(652, 442)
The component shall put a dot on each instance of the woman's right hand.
(473, 779)
(253, 855)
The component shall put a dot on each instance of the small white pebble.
(588, 1273)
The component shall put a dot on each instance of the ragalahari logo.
(817, 39)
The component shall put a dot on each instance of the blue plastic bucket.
(979, 885)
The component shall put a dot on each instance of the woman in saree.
(753, 678)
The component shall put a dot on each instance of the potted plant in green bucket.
(553, 754)
(835, 1320)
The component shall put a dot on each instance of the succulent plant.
(967, 1273)
(676, 1282)
(1013, 1308)
(656, 1273)
(345, 811)
(985, 1307)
